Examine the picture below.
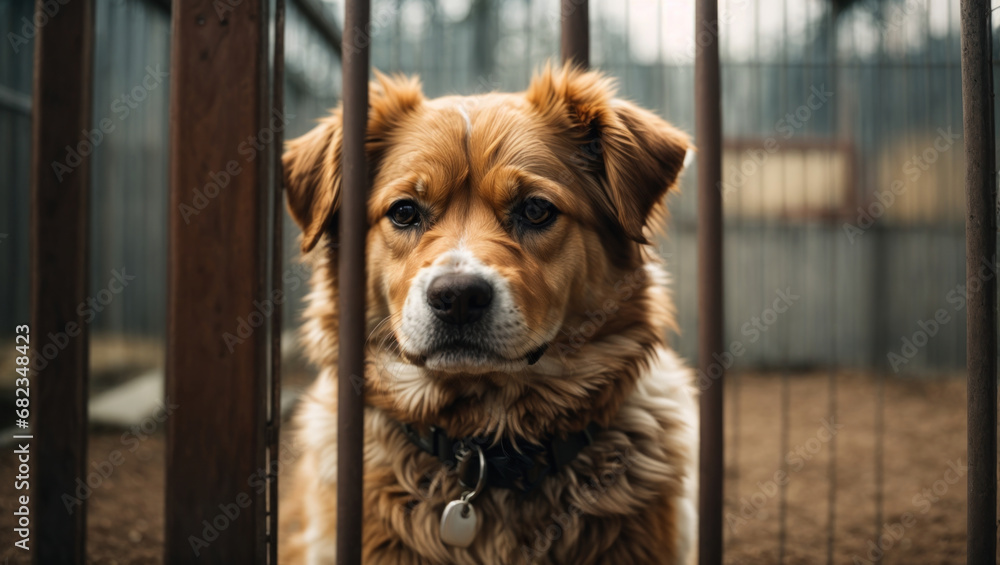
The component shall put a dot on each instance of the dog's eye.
(404, 214)
(537, 212)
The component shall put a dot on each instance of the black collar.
(521, 468)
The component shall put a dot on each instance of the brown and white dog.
(516, 312)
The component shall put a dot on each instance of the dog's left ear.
(311, 168)
(636, 155)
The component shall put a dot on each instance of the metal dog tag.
(458, 523)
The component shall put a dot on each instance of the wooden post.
(353, 231)
(59, 259)
(708, 136)
(981, 280)
(221, 310)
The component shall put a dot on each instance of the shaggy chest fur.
(627, 498)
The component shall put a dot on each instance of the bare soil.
(923, 499)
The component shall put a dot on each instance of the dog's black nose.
(459, 299)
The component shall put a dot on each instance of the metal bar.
(708, 136)
(575, 38)
(59, 260)
(353, 229)
(981, 282)
(277, 243)
(221, 128)
(828, 54)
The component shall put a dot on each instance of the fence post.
(60, 238)
(220, 307)
(708, 136)
(980, 273)
(574, 42)
(277, 277)
(353, 231)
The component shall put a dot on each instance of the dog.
(521, 402)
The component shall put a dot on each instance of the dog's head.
(500, 224)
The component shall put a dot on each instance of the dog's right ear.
(312, 178)
(312, 162)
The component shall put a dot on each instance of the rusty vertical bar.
(218, 303)
(574, 44)
(981, 248)
(353, 229)
(59, 260)
(277, 266)
(708, 136)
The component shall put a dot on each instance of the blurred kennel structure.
(875, 86)
(129, 210)
(842, 183)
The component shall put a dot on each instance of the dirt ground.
(924, 423)
(924, 438)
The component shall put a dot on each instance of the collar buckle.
(436, 443)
